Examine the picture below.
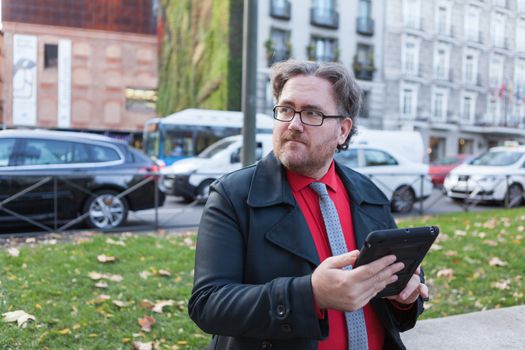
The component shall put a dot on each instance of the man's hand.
(412, 291)
(349, 290)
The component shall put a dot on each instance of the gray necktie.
(355, 320)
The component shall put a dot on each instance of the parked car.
(402, 181)
(76, 176)
(439, 169)
(191, 178)
(496, 175)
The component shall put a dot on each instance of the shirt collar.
(298, 182)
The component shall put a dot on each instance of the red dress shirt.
(308, 202)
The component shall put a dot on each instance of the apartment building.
(82, 65)
(350, 32)
(452, 69)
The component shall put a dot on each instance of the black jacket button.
(266, 345)
(286, 328)
(280, 310)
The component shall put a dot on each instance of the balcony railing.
(278, 56)
(280, 10)
(502, 43)
(413, 23)
(326, 18)
(476, 37)
(365, 26)
(365, 73)
(502, 3)
(443, 74)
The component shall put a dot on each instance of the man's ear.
(346, 127)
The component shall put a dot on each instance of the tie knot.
(319, 188)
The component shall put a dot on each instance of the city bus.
(186, 133)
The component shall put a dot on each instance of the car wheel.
(514, 196)
(106, 210)
(403, 200)
(203, 191)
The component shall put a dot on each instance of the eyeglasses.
(308, 117)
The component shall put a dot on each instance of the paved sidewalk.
(494, 329)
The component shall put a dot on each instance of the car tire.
(514, 196)
(403, 200)
(105, 210)
(203, 191)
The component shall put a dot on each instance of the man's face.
(305, 149)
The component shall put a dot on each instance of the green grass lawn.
(474, 265)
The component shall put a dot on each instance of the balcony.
(473, 80)
(501, 43)
(365, 73)
(365, 26)
(474, 36)
(443, 74)
(502, 3)
(280, 10)
(413, 23)
(277, 56)
(326, 18)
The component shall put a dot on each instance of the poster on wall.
(24, 79)
(64, 83)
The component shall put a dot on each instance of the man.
(265, 273)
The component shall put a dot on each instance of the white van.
(190, 178)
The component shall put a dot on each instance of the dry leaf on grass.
(106, 258)
(502, 285)
(19, 316)
(497, 262)
(119, 303)
(143, 346)
(112, 241)
(144, 274)
(97, 276)
(13, 251)
(446, 273)
(160, 304)
(146, 323)
(164, 273)
(102, 285)
(146, 304)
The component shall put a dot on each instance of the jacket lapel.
(290, 232)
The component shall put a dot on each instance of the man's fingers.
(340, 261)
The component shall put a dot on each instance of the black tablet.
(409, 245)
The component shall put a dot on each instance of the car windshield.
(214, 149)
(497, 158)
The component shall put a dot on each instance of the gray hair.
(347, 93)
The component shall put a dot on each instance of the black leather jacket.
(255, 256)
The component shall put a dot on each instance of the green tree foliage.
(200, 63)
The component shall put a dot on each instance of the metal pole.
(249, 81)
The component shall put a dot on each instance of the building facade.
(452, 69)
(83, 65)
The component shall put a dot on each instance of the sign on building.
(64, 83)
(24, 79)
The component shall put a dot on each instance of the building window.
(408, 101)
(365, 105)
(493, 111)
(498, 30)
(365, 24)
(441, 61)
(520, 35)
(411, 13)
(470, 67)
(439, 105)
(472, 32)
(443, 18)
(280, 9)
(323, 14)
(465, 146)
(519, 79)
(468, 108)
(278, 47)
(141, 100)
(323, 50)
(50, 56)
(363, 64)
(496, 70)
(410, 52)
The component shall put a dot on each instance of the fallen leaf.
(446, 273)
(490, 243)
(164, 273)
(106, 258)
(146, 304)
(160, 304)
(100, 299)
(451, 253)
(460, 233)
(497, 262)
(119, 303)
(95, 275)
(64, 331)
(112, 241)
(20, 316)
(502, 285)
(13, 251)
(142, 346)
(144, 274)
(101, 285)
(115, 278)
(146, 323)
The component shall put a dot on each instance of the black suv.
(68, 177)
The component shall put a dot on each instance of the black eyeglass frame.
(323, 116)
